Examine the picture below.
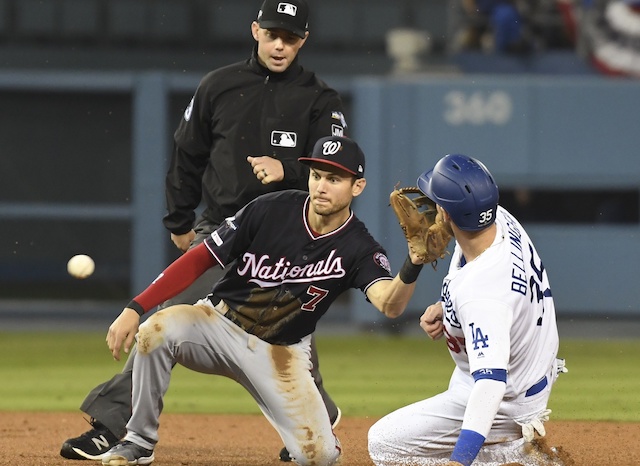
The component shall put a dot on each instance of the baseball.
(81, 266)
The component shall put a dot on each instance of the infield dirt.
(34, 439)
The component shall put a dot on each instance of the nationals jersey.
(498, 309)
(286, 276)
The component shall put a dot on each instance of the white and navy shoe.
(127, 453)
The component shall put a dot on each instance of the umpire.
(241, 136)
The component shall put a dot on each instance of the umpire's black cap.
(340, 152)
(290, 15)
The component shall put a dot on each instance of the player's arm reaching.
(174, 279)
(427, 239)
(392, 296)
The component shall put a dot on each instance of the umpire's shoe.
(284, 453)
(127, 454)
(92, 445)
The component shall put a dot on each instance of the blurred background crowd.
(348, 36)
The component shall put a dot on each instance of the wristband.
(136, 307)
(409, 271)
(467, 447)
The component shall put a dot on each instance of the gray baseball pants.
(110, 402)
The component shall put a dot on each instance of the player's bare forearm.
(391, 297)
(122, 332)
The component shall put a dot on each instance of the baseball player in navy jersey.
(293, 253)
(240, 137)
(497, 316)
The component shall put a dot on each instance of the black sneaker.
(284, 453)
(92, 445)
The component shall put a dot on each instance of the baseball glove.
(426, 233)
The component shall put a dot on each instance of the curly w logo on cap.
(340, 152)
(331, 147)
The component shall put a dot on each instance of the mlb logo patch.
(287, 9)
(284, 139)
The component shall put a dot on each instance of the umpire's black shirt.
(240, 110)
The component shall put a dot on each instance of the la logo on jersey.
(479, 339)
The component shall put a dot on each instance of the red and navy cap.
(290, 15)
(338, 151)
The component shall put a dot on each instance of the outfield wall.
(534, 132)
(537, 132)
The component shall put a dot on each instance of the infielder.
(240, 137)
(295, 253)
(497, 316)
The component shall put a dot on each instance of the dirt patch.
(34, 439)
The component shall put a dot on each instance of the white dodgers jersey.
(499, 311)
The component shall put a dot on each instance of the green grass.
(366, 375)
(602, 382)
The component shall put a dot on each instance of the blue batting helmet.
(463, 187)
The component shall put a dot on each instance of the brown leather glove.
(427, 235)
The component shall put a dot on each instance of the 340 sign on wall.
(477, 108)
